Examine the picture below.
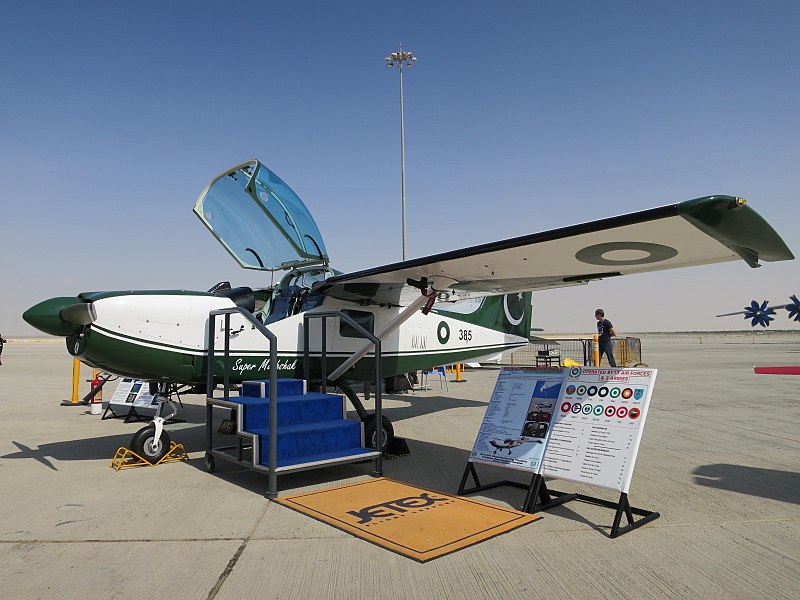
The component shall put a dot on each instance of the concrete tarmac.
(719, 460)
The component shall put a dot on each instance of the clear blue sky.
(521, 116)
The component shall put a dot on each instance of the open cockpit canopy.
(260, 220)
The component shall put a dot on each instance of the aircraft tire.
(209, 463)
(142, 444)
(370, 433)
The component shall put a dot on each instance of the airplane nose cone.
(62, 316)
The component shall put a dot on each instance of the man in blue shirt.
(605, 331)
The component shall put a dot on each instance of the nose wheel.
(152, 442)
(148, 446)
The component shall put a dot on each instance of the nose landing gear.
(152, 442)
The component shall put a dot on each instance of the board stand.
(540, 498)
(622, 506)
(536, 488)
(133, 416)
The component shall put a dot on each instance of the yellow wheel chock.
(125, 458)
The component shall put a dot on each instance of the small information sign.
(598, 425)
(132, 393)
(517, 422)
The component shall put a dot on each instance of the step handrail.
(325, 315)
(272, 486)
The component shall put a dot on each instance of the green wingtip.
(731, 222)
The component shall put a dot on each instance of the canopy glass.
(260, 220)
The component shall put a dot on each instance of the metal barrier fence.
(627, 351)
(569, 352)
(553, 352)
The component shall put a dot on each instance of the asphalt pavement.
(718, 460)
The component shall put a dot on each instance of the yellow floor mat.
(415, 522)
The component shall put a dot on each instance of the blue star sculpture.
(794, 308)
(759, 314)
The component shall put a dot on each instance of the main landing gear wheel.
(370, 433)
(145, 445)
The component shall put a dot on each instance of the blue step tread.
(310, 438)
(307, 427)
(329, 457)
(293, 410)
(312, 428)
(257, 401)
(259, 388)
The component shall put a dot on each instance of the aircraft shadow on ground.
(86, 449)
(191, 432)
(773, 484)
(419, 405)
(432, 466)
(429, 466)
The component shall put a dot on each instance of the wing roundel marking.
(593, 255)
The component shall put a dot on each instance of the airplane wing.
(703, 231)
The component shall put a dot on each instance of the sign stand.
(583, 424)
(515, 427)
(623, 506)
(130, 416)
(540, 498)
(470, 470)
(536, 488)
(133, 401)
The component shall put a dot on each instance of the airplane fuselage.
(265, 226)
(164, 337)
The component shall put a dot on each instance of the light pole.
(401, 59)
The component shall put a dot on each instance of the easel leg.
(622, 506)
(470, 468)
(536, 489)
(131, 415)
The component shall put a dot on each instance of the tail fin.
(510, 314)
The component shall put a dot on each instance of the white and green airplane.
(447, 308)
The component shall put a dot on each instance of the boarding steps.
(313, 430)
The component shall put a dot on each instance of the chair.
(548, 358)
(437, 371)
(282, 304)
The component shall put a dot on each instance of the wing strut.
(425, 301)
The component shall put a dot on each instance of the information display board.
(132, 393)
(517, 422)
(597, 425)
